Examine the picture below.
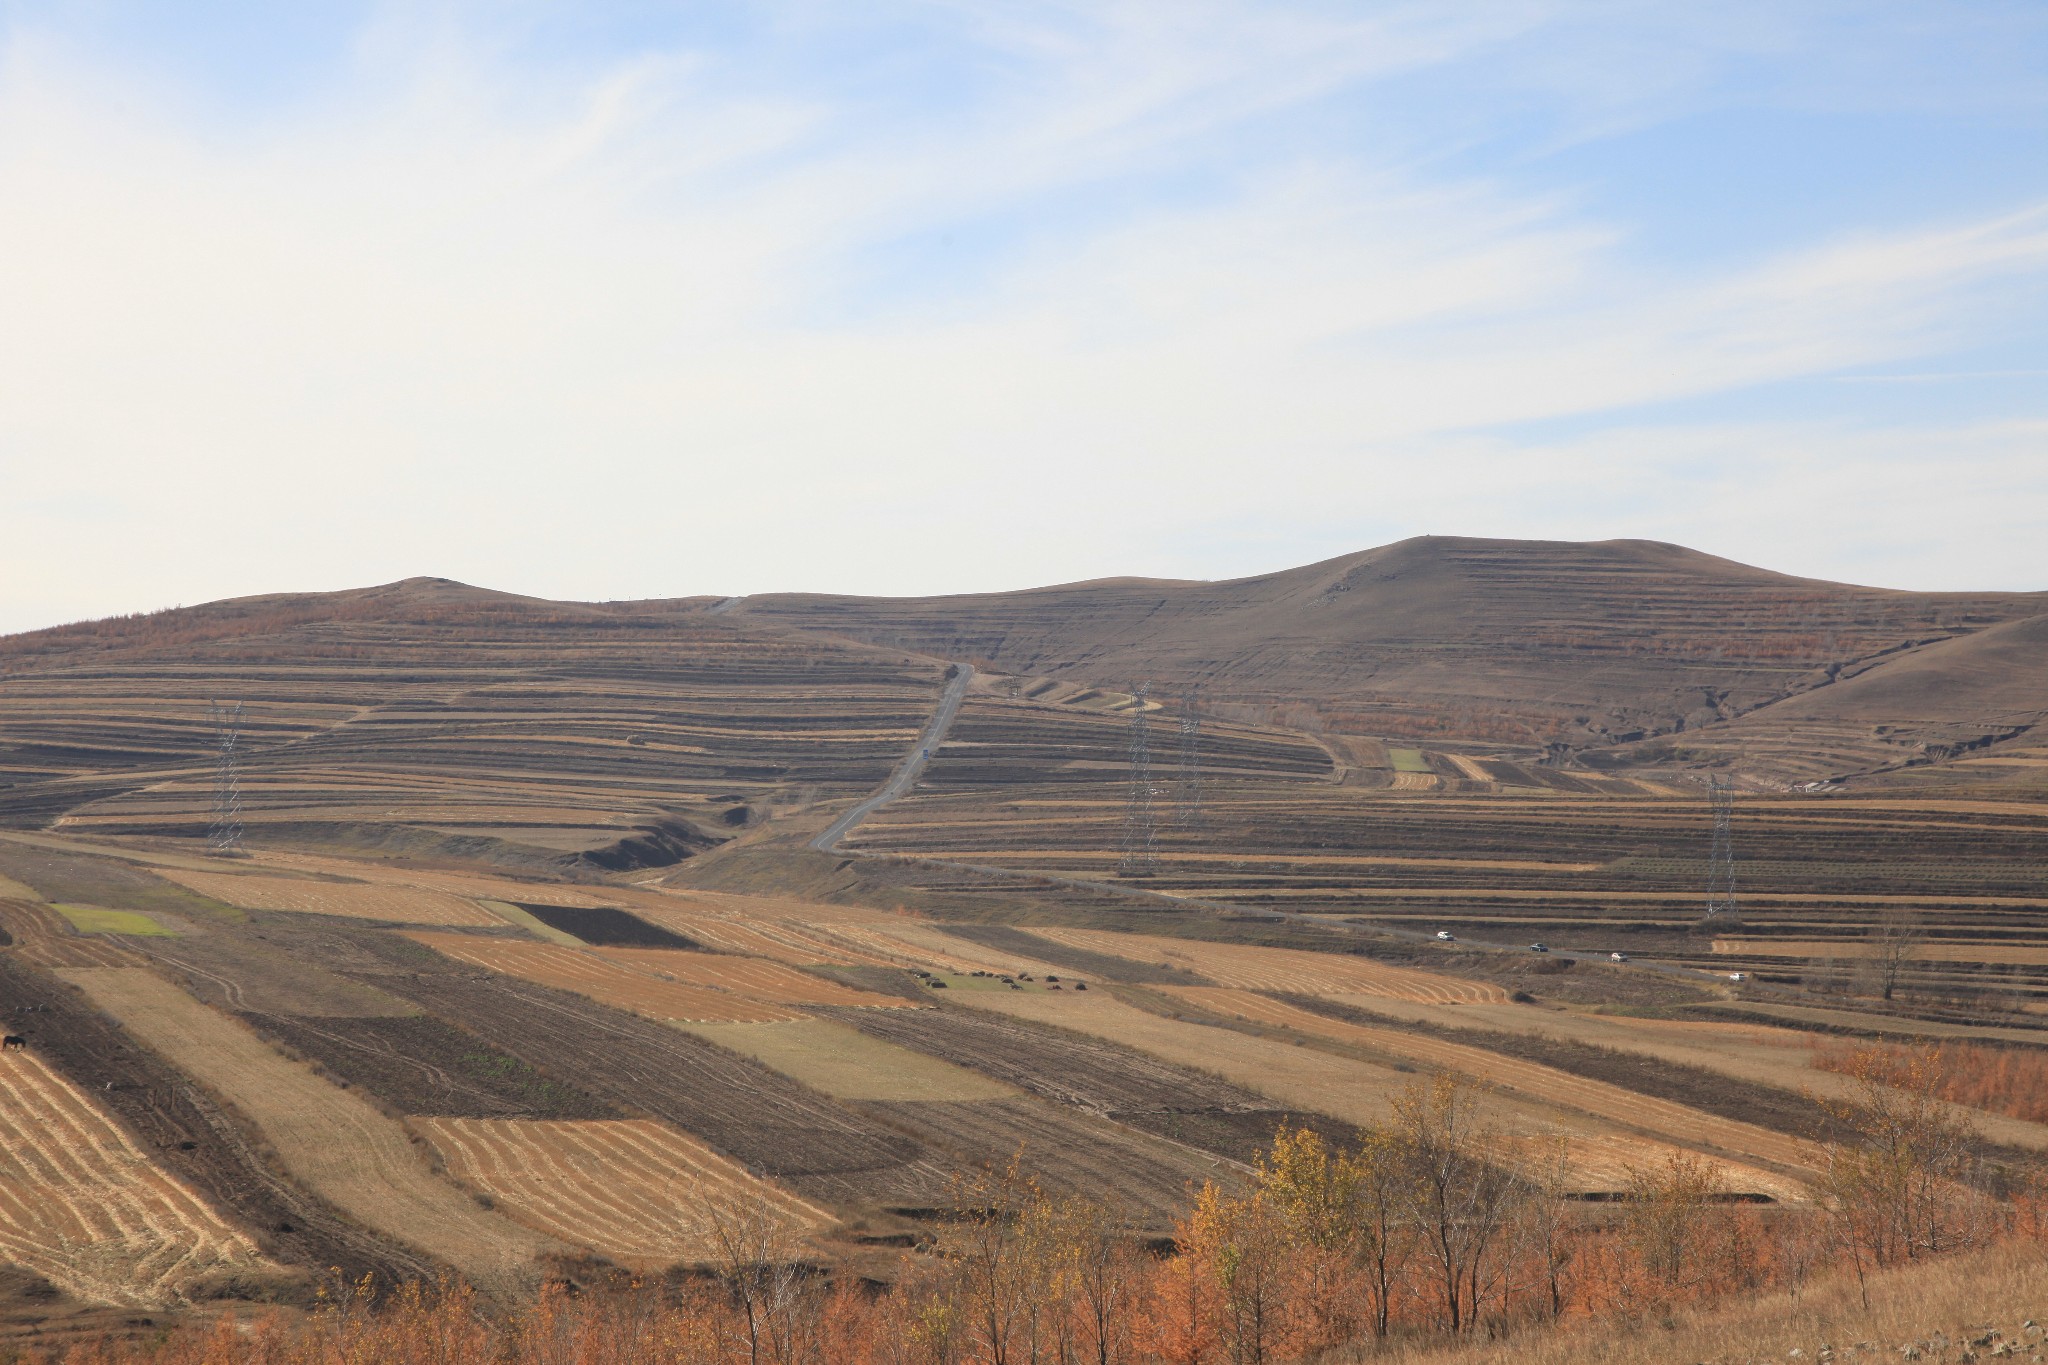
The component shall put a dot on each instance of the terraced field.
(770, 982)
(603, 978)
(393, 904)
(638, 1193)
(83, 1206)
(1674, 1123)
(1283, 969)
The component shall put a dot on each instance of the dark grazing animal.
(14, 1042)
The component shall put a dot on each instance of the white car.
(1447, 936)
(1738, 977)
(1617, 957)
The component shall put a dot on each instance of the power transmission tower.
(1721, 857)
(1141, 830)
(1187, 808)
(224, 835)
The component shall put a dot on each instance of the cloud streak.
(1150, 286)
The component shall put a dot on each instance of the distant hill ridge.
(1607, 652)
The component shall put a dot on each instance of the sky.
(625, 299)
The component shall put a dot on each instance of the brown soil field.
(333, 1141)
(820, 1148)
(354, 900)
(636, 1192)
(236, 970)
(770, 981)
(420, 1066)
(602, 979)
(1282, 969)
(931, 947)
(1602, 1165)
(842, 1061)
(1193, 1108)
(1672, 1122)
(83, 1206)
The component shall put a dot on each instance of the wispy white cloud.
(616, 327)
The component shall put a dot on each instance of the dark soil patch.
(605, 927)
(1104, 965)
(421, 1066)
(194, 1137)
(1240, 1135)
(818, 1146)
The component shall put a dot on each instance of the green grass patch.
(92, 919)
(1408, 760)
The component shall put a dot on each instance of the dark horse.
(14, 1042)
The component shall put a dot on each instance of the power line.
(224, 835)
(1721, 856)
(1141, 828)
(1187, 807)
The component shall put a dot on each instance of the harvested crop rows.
(352, 900)
(1283, 969)
(603, 980)
(632, 1190)
(82, 1206)
(769, 981)
(332, 1140)
(43, 938)
(779, 942)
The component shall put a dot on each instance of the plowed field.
(1283, 969)
(331, 1139)
(82, 1206)
(603, 980)
(770, 981)
(906, 941)
(633, 1190)
(353, 900)
(1676, 1122)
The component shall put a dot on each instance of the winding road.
(913, 763)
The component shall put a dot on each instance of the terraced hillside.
(1587, 646)
(627, 735)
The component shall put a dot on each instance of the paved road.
(913, 763)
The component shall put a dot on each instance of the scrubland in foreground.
(1411, 1244)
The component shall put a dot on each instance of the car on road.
(1539, 947)
(1738, 977)
(1447, 936)
(1617, 957)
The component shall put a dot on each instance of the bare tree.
(759, 1256)
(1460, 1200)
(1897, 937)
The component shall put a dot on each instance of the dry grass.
(847, 1064)
(1935, 1308)
(82, 1206)
(635, 1191)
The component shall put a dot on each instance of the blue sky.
(606, 300)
